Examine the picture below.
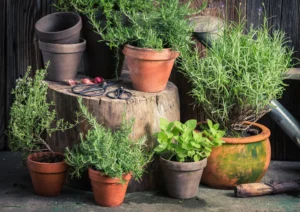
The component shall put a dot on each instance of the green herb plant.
(113, 153)
(31, 116)
(240, 75)
(180, 142)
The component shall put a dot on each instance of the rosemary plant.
(240, 75)
(31, 116)
(111, 152)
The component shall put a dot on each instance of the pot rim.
(43, 153)
(149, 54)
(77, 26)
(185, 166)
(265, 134)
(63, 48)
(97, 176)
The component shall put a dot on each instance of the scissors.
(119, 93)
(93, 90)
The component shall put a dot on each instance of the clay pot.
(100, 60)
(60, 27)
(64, 59)
(149, 69)
(239, 160)
(182, 179)
(108, 192)
(47, 178)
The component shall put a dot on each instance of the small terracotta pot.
(47, 178)
(149, 69)
(239, 160)
(108, 192)
(182, 179)
(64, 59)
(60, 27)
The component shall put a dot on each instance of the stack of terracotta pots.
(60, 43)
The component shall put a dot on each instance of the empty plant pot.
(108, 192)
(239, 160)
(47, 178)
(182, 178)
(149, 69)
(60, 27)
(207, 28)
(64, 59)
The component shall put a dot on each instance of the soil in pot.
(60, 28)
(239, 160)
(64, 59)
(108, 192)
(149, 69)
(100, 60)
(182, 179)
(47, 172)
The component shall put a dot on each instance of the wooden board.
(3, 94)
(146, 108)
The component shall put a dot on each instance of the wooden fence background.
(18, 49)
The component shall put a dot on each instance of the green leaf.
(191, 124)
(163, 124)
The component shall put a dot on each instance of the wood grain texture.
(21, 44)
(145, 108)
(3, 114)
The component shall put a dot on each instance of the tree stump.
(145, 108)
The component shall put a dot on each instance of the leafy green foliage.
(31, 116)
(155, 24)
(186, 144)
(111, 152)
(240, 75)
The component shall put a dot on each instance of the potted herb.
(184, 153)
(241, 73)
(112, 159)
(156, 33)
(31, 118)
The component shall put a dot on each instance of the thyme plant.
(240, 75)
(111, 152)
(31, 115)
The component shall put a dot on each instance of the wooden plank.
(22, 50)
(3, 116)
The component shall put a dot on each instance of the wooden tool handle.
(259, 189)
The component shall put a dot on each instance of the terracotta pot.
(99, 60)
(149, 69)
(47, 178)
(108, 192)
(182, 179)
(64, 59)
(60, 27)
(239, 160)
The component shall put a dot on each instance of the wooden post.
(146, 108)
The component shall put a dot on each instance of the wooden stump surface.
(145, 108)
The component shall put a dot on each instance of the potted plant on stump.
(184, 153)
(30, 119)
(241, 73)
(155, 35)
(112, 159)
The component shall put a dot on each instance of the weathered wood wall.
(18, 50)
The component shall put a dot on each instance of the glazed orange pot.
(47, 178)
(238, 160)
(149, 69)
(108, 192)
